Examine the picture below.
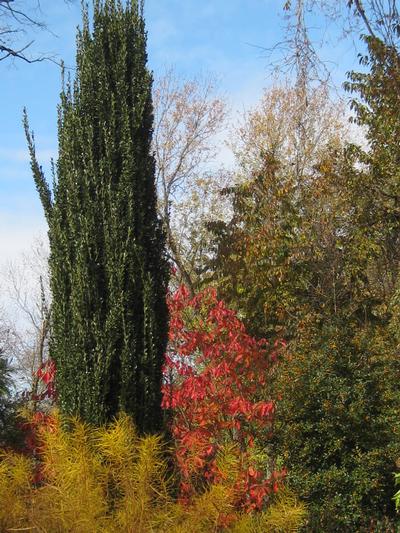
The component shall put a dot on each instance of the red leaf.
(213, 370)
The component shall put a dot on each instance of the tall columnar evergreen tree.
(109, 272)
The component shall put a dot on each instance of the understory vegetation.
(109, 479)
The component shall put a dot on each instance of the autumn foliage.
(37, 416)
(46, 375)
(214, 373)
(110, 479)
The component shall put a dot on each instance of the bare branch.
(19, 54)
(299, 54)
(27, 285)
(188, 116)
(15, 24)
(361, 12)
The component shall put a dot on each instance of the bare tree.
(19, 19)
(27, 285)
(297, 136)
(7, 347)
(15, 23)
(188, 117)
(380, 19)
(299, 52)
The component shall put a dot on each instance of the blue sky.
(224, 37)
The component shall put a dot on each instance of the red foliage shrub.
(214, 375)
(46, 375)
(39, 419)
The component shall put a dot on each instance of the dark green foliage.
(298, 274)
(5, 383)
(337, 424)
(10, 435)
(374, 175)
(108, 268)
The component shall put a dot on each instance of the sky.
(227, 38)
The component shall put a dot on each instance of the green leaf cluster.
(108, 266)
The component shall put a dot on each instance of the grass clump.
(109, 479)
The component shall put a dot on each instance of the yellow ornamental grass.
(15, 490)
(74, 496)
(109, 480)
(284, 515)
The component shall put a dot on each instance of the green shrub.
(337, 426)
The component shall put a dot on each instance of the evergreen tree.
(108, 267)
(8, 430)
(4, 388)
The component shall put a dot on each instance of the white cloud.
(18, 233)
